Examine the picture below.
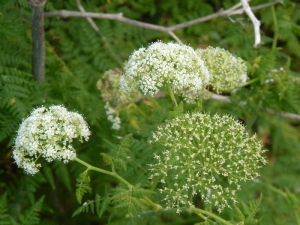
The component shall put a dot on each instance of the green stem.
(252, 81)
(297, 217)
(201, 211)
(274, 44)
(113, 174)
(171, 95)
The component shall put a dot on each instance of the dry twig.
(255, 21)
(170, 30)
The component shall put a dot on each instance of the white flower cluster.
(48, 133)
(149, 69)
(204, 155)
(228, 71)
(112, 117)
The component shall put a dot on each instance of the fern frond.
(128, 200)
(254, 207)
(247, 214)
(83, 185)
(4, 217)
(62, 173)
(178, 110)
(32, 216)
(98, 205)
(118, 156)
(49, 176)
(238, 215)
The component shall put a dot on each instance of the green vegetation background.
(76, 58)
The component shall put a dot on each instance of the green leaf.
(32, 216)
(178, 110)
(4, 216)
(49, 176)
(83, 182)
(238, 215)
(254, 207)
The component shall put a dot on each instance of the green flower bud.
(228, 71)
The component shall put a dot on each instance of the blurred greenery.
(76, 58)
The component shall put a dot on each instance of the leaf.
(254, 207)
(178, 110)
(118, 155)
(82, 185)
(32, 216)
(4, 217)
(62, 173)
(49, 176)
(238, 215)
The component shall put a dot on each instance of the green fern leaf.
(98, 205)
(32, 216)
(82, 185)
(104, 205)
(178, 110)
(238, 215)
(4, 217)
(119, 154)
(246, 209)
(254, 207)
(62, 173)
(49, 176)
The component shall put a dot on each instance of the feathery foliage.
(4, 216)
(77, 56)
(32, 215)
(82, 185)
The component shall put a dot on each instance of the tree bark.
(38, 42)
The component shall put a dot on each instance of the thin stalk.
(171, 95)
(275, 38)
(113, 174)
(199, 212)
(252, 81)
(297, 216)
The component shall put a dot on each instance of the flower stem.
(252, 81)
(171, 95)
(113, 174)
(199, 212)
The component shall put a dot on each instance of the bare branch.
(226, 99)
(287, 115)
(255, 21)
(175, 37)
(119, 17)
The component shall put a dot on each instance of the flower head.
(228, 71)
(149, 69)
(204, 155)
(48, 133)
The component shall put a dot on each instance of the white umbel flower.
(48, 133)
(149, 69)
